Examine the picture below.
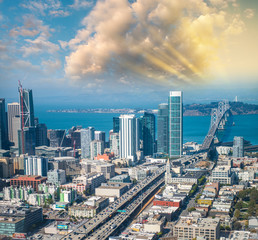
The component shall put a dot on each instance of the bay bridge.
(220, 119)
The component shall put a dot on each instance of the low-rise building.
(89, 208)
(167, 202)
(222, 174)
(188, 228)
(112, 189)
(123, 178)
(32, 181)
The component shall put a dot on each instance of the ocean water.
(195, 128)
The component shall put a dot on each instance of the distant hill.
(237, 108)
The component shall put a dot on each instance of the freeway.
(111, 210)
(106, 230)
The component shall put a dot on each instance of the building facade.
(13, 109)
(238, 147)
(96, 148)
(162, 126)
(127, 136)
(34, 165)
(114, 143)
(87, 136)
(148, 134)
(175, 126)
(4, 142)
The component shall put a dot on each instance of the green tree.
(251, 208)
(239, 205)
(227, 228)
(237, 214)
(237, 226)
(191, 209)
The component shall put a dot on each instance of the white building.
(34, 165)
(128, 137)
(222, 174)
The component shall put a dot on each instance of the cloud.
(51, 66)
(81, 4)
(249, 13)
(157, 39)
(59, 13)
(39, 45)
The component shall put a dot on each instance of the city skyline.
(62, 51)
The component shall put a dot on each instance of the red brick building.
(167, 202)
(26, 180)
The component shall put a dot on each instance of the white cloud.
(159, 39)
(249, 13)
(80, 4)
(39, 45)
(59, 13)
(51, 66)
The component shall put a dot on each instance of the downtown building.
(162, 131)
(96, 148)
(27, 133)
(13, 110)
(87, 136)
(128, 137)
(148, 133)
(4, 142)
(238, 147)
(34, 165)
(175, 124)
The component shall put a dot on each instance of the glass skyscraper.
(4, 143)
(238, 147)
(87, 136)
(148, 133)
(175, 123)
(162, 128)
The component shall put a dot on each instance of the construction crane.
(22, 115)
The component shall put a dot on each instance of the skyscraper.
(41, 135)
(16, 126)
(4, 142)
(163, 128)
(13, 109)
(175, 123)
(29, 138)
(127, 136)
(148, 133)
(238, 147)
(115, 124)
(26, 107)
(87, 135)
(57, 137)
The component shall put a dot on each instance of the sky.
(112, 53)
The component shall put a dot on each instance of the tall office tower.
(26, 107)
(41, 135)
(96, 147)
(238, 147)
(4, 142)
(99, 135)
(29, 136)
(175, 123)
(16, 126)
(87, 136)
(76, 138)
(57, 137)
(115, 124)
(148, 133)
(34, 165)
(13, 109)
(162, 128)
(127, 136)
(114, 143)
